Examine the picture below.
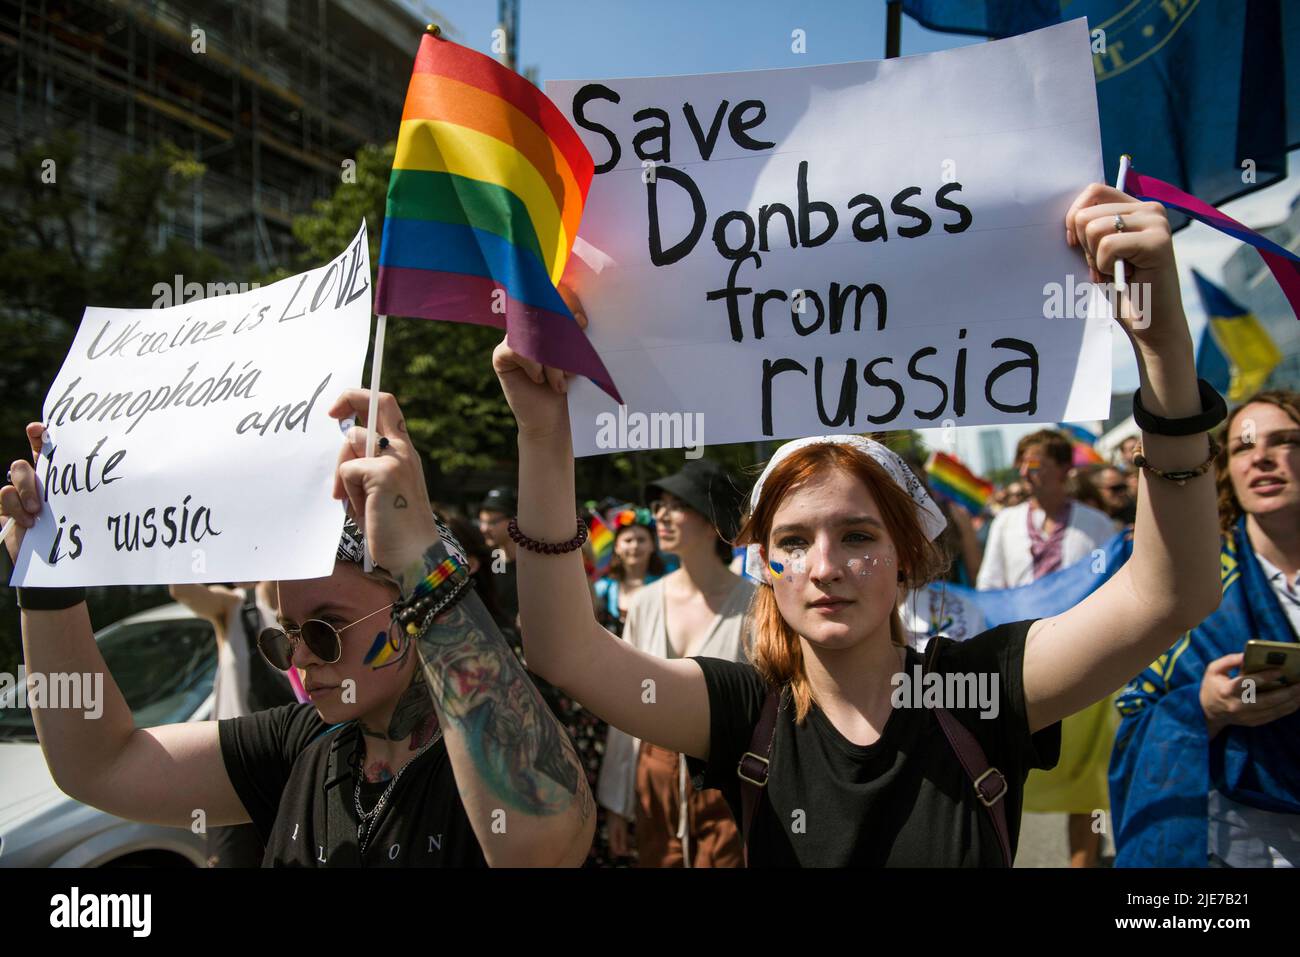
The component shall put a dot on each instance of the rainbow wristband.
(445, 583)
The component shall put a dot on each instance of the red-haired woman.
(846, 755)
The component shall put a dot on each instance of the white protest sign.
(193, 444)
(863, 246)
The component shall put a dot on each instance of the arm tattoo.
(519, 748)
(413, 715)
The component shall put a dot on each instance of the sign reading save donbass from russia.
(847, 248)
(193, 443)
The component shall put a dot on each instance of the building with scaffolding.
(271, 96)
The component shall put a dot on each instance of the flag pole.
(1121, 283)
(376, 367)
(893, 28)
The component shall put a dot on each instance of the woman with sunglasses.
(815, 749)
(424, 744)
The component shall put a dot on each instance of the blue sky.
(589, 39)
(569, 40)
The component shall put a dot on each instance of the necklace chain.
(367, 819)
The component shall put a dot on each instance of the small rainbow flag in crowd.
(955, 482)
(1284, 264)
(1083, 443)
(484, 201)
(602, 545)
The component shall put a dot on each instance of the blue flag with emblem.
(1205, 94)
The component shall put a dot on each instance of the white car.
(164, 661)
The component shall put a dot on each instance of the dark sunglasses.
(322, 640)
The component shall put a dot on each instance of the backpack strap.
(989, 783)
(340, 833)
(756, 763)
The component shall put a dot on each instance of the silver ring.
(1119, 223)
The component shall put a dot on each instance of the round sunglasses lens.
(322, 640)
(275, 646)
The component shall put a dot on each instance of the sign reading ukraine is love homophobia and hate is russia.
(854, 247)
(193, 443)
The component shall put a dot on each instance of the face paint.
(382, 651)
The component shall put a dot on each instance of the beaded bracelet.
(547, 548)
(1179, 476)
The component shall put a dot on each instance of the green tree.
(54, 268)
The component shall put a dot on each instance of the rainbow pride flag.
(955, 482)
(602, 545)
(484, 201)
(1282, 263)
(1082, 442)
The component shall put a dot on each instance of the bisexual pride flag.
(486, 194)
(1282, 263)
(955, 482)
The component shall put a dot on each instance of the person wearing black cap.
(494, 515)
(698, 609)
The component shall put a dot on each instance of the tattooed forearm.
(518, 746)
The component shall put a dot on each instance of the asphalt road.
(1043, 842)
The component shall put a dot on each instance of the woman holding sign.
(424, 744)
(838, 745)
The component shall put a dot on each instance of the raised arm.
(522, 784)
(210, 602)
(1171, 581)
(158, 775)
(664, 702)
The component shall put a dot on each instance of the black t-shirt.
(277, 762)
(904, 801)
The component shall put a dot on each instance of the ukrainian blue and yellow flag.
(1236, 353)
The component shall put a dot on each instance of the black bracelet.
(548, 548)
(1214, 411)
(50, 599)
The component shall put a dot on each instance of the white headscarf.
(927, 513)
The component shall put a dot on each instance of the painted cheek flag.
(1236, 354)
(487, 190)
(955, 482)
(1282, 263)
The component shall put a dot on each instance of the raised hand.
(386, 492)
(20, 499)
(537, 393)
(1146, 246)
